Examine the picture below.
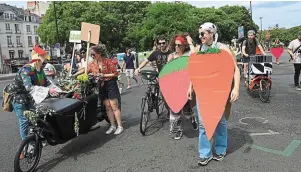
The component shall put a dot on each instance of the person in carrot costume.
(208, 35)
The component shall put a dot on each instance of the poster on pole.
(94, 33)
(75, 36)
(90, 34)
(241, 33)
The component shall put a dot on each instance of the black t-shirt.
(160, 58)
(251, 47)
(129, 61)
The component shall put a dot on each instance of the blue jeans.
(221, 138)
(23, 121)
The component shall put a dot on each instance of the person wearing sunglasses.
(208, 35)
(106, 69)
(182, 46)
(159, 56)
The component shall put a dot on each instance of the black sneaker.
(218, 157)
(176, 131)
(204, 161)
(194, 123)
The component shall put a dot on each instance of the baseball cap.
(209, 27)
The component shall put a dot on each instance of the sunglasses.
(162, 43)
(202, 34)
(178, 45)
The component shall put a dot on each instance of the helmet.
(209, 27)
(251, 32)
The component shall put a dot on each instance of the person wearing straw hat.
(28, 78)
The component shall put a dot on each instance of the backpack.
(7, 100)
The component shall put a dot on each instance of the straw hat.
(38, 54)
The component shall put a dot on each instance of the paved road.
(259, 139)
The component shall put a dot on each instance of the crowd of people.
(31, 75)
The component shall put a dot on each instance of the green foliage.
(284, 35)
(175, 65)
(136, 24)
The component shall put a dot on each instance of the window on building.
(7, 26)
(37, 39)
(11, 54)
(18, 40)
(6, 15)
(11, 16)
(28, 28)
(9, 41)
(35, 30)
(29, 41)
(20, 53)
(17, 27)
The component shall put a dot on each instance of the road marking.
(287, 152)
(264, 122)
(264, 134)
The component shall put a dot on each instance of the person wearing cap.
(208, 35)
(28, 77)
(294, 50)
(249, 47)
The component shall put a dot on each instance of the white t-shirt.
(293, 46)
(83, 62)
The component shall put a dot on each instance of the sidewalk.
(7, 76)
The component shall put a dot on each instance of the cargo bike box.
(260, 65)
(62, 121)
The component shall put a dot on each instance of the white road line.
(264, 134)
(241, 120)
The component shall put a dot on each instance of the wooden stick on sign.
(88, 47)
(72, 59)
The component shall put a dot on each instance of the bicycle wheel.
(264, 91)
(30, 150)
(145, 114)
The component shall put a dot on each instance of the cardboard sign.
(95, 31)
(174, 83)
(212, 85)
(75, 36)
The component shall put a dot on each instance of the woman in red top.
(108, 90)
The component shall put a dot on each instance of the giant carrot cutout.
(174, 83)
(211, 73)
(277, 51)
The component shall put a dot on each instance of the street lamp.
(251, 10)
(55, 18)
(260, 26)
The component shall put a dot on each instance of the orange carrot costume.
(212, 84)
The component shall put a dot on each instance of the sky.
(284, 13)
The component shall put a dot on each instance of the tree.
(114, 18)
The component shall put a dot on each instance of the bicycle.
(261, 68)
(152, 99)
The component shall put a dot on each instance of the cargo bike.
(259, 76)
(56, 121)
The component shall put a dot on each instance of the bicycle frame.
(152, 89)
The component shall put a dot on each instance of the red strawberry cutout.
(277, 51)
(174, 83)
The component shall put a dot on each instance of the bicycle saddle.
(62, 105)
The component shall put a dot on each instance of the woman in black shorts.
(109, 92)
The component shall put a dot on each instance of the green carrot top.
(210, 51)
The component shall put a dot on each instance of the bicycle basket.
(149, 75)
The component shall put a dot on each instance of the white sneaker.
(120, 90)
(119, 130)
(111, 130)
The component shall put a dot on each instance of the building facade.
(18, 32)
